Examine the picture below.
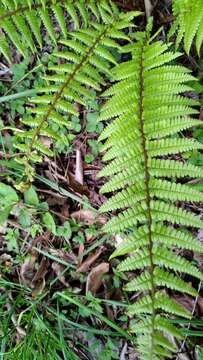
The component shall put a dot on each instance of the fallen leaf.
(80, 252)
(200, 305)
(90, 260)
(58, 269)
(62, 254)
(38, 287)
(198, 256)
(27, 270)
(94, 278)
(186, 301)
(47, 141)
(89, 216)
(41, 272)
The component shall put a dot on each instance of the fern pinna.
(142, 143)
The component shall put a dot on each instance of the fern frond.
(88, 60)
(24, 20)
(147, 112)
(189, 23)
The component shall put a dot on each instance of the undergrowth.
(80, 80)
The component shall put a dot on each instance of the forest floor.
(60, 295)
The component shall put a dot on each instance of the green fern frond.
(188, 23)
(88, 60)
(24, 20)
(147, 112)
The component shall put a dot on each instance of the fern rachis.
(136, 141)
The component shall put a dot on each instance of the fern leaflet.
(188, 23)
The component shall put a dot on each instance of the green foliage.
(144, 144)
(147, 114)
(8, 198)
(83, 64)
(188, 23)
(24, 20)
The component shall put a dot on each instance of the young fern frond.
(20, 19)
(87, 63)
(188, 23)
(147, 113)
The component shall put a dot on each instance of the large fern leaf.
(22, 22)
(188, 24)
(147, 114)
(83, 65)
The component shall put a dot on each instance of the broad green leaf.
(49, 222)
(31, 197)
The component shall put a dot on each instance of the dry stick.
(148, 8)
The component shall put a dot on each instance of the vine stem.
(148, 198)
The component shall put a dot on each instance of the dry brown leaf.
(58, 269)
(47, 141)
(38, 287)
(80, 252)
(27, 270)
(90, 260)
(38, 282)
(186, 301)
(62, 254)
(89, 216)
(198, 256)
(94, 278)
(200, 305)
(42, 270)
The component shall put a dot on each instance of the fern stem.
(148, 198)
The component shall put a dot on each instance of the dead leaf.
(80, 252)
(58, 269)
(79, 168)
(41, 272)
(38, 282)
(89, 216)
(47, 141)
(94, 278)
(38, 287)
(198, 256)
(62, 254)
(186, 301)
(90, 260)
(200, 305)
(27, 270)
(20, 331)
